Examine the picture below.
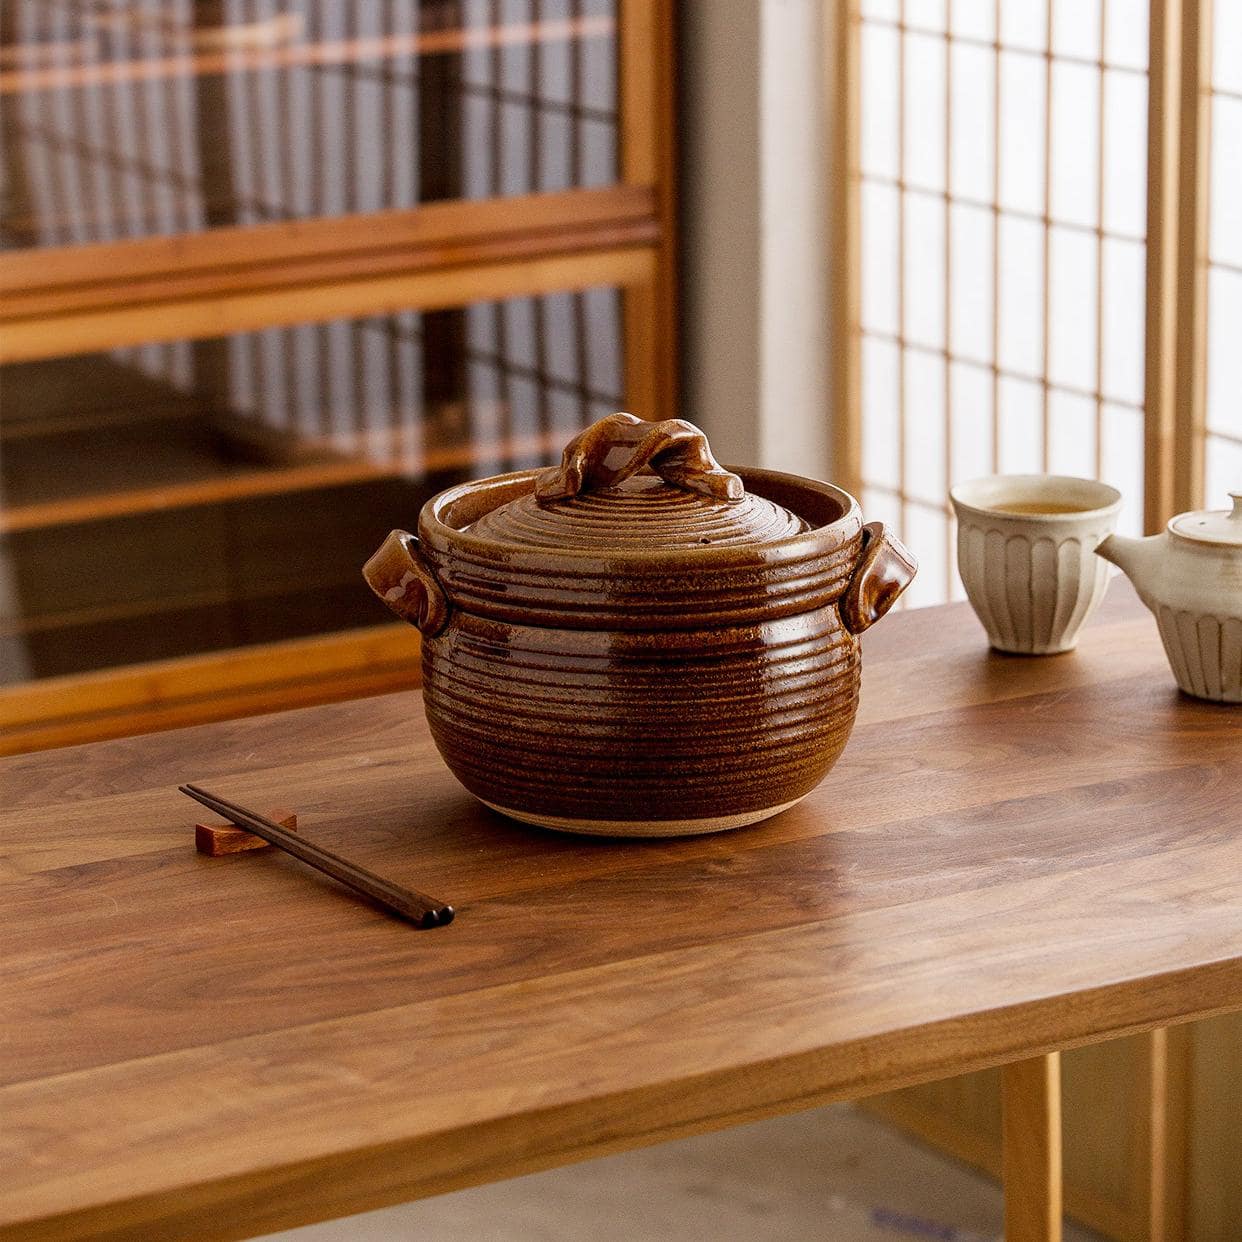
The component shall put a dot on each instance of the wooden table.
(1013, 856)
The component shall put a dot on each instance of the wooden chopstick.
(417, 907)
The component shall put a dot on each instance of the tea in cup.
(1026, 552)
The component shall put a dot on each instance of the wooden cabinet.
(274, 272)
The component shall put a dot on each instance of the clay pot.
(639, 642)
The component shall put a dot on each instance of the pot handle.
(612, 449)
(885, 568)
(399, 574)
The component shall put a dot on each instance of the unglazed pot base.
(644, 827)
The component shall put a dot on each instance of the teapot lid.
(1220, 526)
(627, 484)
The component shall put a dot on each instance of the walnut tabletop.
(1014, 855)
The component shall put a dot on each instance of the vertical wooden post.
(440, 178)
(1163, 168)
(1190, 438)
(214, 129)
(1031, 1149)
(648, 112)
(1159, 1153)
(1046, 278)
(640, 24)
(640, 314)
(844, 308)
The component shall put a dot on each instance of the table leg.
(1159, 1160)
(1031, 1149)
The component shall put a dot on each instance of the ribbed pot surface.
(644, 728)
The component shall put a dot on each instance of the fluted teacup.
(1025, 550)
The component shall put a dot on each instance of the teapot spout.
(1138, 559)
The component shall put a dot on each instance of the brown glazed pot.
(640, 643)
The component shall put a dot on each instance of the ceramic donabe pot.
(640, 643)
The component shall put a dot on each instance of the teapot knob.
(1236, 515)
(620, 445)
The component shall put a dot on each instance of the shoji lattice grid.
(1223, 471)
(1003, 155)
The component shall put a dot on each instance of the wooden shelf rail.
(328, 52)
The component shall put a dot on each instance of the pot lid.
(1222, 526)
(627, 484)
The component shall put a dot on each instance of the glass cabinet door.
(141, 118)
(165, 500)
(272, 272)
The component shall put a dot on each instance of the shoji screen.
(1223, 471)
(1002, 155)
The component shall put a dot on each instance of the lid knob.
(614, 448)
(1236, 515)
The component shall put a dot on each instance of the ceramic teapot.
(640, 642)
(1190, 576)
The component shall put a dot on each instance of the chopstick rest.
(215, 840)
(416, 907)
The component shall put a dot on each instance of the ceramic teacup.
(1026, 552)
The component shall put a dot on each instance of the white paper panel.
(1025, 24)
(882, 10)
(1224, 471)
(1123, 320)
(974, 19)
(970, 397)
(925, 111)
(926, 14)
(927, 532)
(881, 505)
(1021, 312)
(1075, 28)
(1125, 154)
(925, 447)
(1075, 144)
(1071, 434)
(878, 210)
(972, 76)
(924, 270)
(1227, 46)
(970, 282)
(1021, 426)
(1121, 444)
(881, 429)
(878, 101)
(1071, 318)
(1226, 173)
(1022, 131)
(1224, 372)
(1126, 33)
